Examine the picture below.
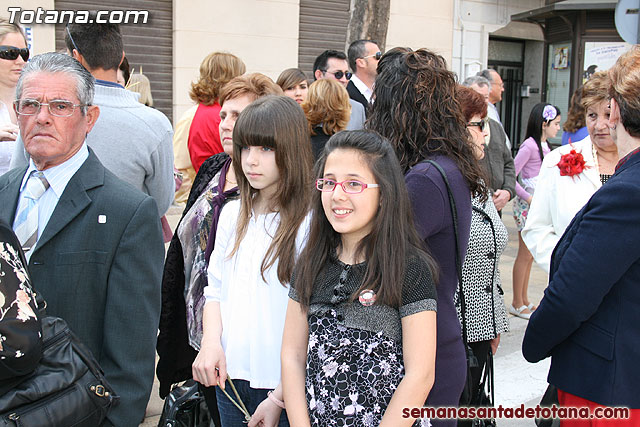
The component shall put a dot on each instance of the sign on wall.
(600, 56)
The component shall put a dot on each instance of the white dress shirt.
(58, 177)
(252, 309)
(363, 88)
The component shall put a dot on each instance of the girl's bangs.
(254, 139)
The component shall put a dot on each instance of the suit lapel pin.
(102, 219)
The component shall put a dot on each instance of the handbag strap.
(487, 377)
(454, 217)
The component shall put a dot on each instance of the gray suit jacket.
(98, 264)
(498, 162)
(356, 122)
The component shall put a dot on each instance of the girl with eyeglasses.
(360, 336)
(257, 242)
(544, 124)
(13, 55)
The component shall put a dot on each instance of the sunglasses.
(339, 74)
(11, 53)
(376, 55)
(481, 124)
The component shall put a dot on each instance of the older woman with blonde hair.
(564, 191)
(14, 53)
(328, 111)
(588, 320)
(196, 136)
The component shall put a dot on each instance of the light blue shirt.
(58, 177)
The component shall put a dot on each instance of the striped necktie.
(26, 222)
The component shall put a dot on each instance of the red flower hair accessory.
(571, 164)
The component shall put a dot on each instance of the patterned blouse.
(20, 331)
(486, 314)
(194, 232)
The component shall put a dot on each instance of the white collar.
(362, 87)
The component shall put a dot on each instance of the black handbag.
(472, 362)
(185, 407)
(485, 395)
(549, 399)
(67, 388)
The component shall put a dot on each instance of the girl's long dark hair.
(416, 109)
(276, 122)
(534, 125)
(392, 239)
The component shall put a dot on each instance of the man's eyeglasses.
(11, 53)
(339, 74)
(481, 124)
(58, 108)
(352, 186)
(376, 55)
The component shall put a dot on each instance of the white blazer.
(557, 200)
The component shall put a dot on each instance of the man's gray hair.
(478, 81)
(53, 62)
(487, 73)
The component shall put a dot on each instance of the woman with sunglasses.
(13, 55)
(485, 314)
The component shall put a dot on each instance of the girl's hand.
(267, 414)
(9, 132)
(210, 366)
(529, 200)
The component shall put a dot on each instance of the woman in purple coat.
(416, 109)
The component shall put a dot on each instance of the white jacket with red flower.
(557, 199)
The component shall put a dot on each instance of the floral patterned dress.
(20, 333)
(354, 355)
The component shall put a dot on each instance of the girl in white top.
(257, 242)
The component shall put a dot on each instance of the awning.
(520, 30)
(540, 14)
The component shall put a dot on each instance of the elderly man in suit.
(497, 159)
(93, 242)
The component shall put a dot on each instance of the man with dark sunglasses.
(332, 64)
(363, 60)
